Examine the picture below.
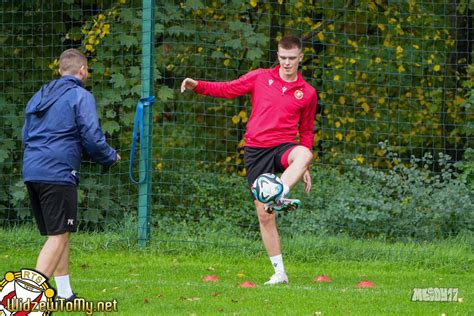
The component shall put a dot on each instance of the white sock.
(63, 285)
(277, 262)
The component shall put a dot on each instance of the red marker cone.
(322, 278)
(365, 284)
(247, 284)
(210, 278)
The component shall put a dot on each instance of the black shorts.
(54, 207)
(264, 160)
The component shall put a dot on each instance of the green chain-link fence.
(392, 72)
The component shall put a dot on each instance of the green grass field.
(166, 278)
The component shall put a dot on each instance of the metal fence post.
(144, 195)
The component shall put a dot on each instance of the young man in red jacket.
(283, 106)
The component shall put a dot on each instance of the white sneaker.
(277, 278)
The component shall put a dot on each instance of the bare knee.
(265, 219)
(301, 155)
(306, 156)
(59, 239)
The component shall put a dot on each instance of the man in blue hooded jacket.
(61, 123)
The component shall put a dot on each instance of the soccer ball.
(267, 187)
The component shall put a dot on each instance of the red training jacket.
(280, 109)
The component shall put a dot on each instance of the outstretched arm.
(229, 89)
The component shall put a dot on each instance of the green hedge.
(408, 201)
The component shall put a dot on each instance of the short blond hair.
(71, 61)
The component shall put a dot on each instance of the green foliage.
(466, 167)
(203, 203)
(383, 68)
(408, 201)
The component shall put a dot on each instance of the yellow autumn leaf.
(338, 124)
(235, 119)
(401, 68)
(352, 43)
(54, 64)
(321, 36)
(253, 3)
(367, 133)
(458, 100)
(360, 159)
(372, 6)
(378, 60)
(339, 136)
(342, 99)
(226, 62)
(450, 42)
(316, 138)
(381, 100)
(366, 107)
(337, 78)
(399, 30)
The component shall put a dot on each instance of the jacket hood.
(50, 93)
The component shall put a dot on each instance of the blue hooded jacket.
(61, 122)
